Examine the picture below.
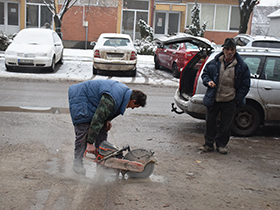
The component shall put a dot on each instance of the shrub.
(5, 40)
(145, 45)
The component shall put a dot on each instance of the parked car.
(257, 41)
(114, 54)
(34, 48)
(262, 104)
(173, 56)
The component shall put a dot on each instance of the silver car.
(257, 41)
(114, 54)
(262, 102)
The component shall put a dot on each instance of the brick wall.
(100, 20)
(219, 37)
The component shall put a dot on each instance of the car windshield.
(115, 41)
(268, 44)
(33, 37)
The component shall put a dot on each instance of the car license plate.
(24, 61)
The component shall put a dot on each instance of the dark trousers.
(219, 134)
(81, 131)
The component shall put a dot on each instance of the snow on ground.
(269, 3)
(77, 67)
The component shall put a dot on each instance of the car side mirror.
(92, 44)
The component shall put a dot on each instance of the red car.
(174, 56)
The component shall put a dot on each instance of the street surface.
(36, 153)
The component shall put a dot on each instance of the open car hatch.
(200, 42)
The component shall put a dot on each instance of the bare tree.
(245, 9)
(67, 4)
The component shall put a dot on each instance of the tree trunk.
(245, 9)
(57, 23)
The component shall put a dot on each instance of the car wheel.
(61, 58)
(175, 71)
(94, 70)
(52, 67)
(8, 68)
(157, 66)
(246, 121)
(133, 73)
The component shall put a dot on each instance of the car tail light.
(96, 54)
(133, 55)
(197, 75)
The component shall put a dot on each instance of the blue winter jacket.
(84, 98)
(241, 80)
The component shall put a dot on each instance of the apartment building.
(87, 19)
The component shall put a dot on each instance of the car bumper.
(119, 65)
(191, 105)
(28, 62)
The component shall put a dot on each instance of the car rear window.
(268, 44)
(116, 41)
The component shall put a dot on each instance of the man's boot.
(78, 167)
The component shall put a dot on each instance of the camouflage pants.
(81, 131)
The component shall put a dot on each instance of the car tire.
(94, 71)
(61, 58)
(8, 68)
(175, 71)
(157, 66)
(52, 67)
(133, 73)
(246, 121)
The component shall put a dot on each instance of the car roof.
(114, 35)
(37, 30)
(259, 37)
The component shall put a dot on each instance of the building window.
(132, 12)
(218, 17)
(37, 14)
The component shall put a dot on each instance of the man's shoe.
(79, 169)
(206, 148)
(222, 150)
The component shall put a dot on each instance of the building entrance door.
(9, 17)
(166, 23)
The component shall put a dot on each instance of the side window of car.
(253, 64)
(166, 46)
(175, 46)
(272, 68)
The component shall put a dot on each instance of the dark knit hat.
(229, 42)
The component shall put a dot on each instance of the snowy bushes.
(5, 40)
(146, 45)
(194, 28)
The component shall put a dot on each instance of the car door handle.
(174, 53)
(165, 51)
(267, 87)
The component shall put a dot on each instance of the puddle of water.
(52, 110)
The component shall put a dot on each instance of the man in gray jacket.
(227, 79)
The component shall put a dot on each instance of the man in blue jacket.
(227, 79)
(93, 104)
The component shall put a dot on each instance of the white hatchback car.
(34, 48)
(114, 54)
